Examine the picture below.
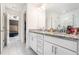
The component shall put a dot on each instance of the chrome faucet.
(61, 28)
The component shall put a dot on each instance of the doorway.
(13, 28)
(5, 29)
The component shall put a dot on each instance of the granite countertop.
(56, 34)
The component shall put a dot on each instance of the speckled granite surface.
(56, 34)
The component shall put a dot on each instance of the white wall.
(8, 12)
(35, 16)
(20, 13)
(2, 26)
(35, 19)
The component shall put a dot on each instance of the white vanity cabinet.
(52, 45)
(40, 44)
(33, 41)
(58, 46)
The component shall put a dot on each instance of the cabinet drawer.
(62, 51)
(62, 42)
(40, 36)
(40, 42)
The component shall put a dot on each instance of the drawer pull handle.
(55, 50)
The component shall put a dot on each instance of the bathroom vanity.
(53, 43)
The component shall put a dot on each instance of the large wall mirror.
(63, 14)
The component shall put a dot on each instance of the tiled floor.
(15, 47)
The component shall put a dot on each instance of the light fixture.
(42, 6)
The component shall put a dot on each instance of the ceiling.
(15, 6)
(50, 7)
(62, 7)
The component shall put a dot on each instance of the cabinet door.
(34, 44)
(40, 46)
(49, 49)
(33, 41)
(30, 38)
(63, 51)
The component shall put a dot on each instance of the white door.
(49, 49)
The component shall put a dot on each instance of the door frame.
(24, 15)
(5, 29)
